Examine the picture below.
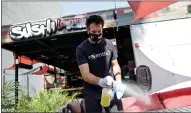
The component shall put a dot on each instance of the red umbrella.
(145, 8)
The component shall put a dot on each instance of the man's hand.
(118, 88)
(106, 82)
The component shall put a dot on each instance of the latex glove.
(106, 82)
(118, 88)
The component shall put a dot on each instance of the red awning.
(10, 68)
(145, 8)
(43, 70)
(22, 59)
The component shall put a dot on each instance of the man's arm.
(115, 65)
(87, 76)
(116, 70)
(84, 67)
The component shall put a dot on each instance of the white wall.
(7, 58)
(33, 83)
(164, 47)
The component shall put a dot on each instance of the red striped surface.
(145, 8)
(132, 104)
(177, 98)
(171, 99)
(154, 15)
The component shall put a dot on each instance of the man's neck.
(93, 41)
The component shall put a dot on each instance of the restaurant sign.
(50, 27)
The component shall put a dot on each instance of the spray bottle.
(107, 92)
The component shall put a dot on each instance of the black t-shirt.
(99, 57)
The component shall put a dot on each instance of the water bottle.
(107, 92)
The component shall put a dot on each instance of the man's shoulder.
(108, 41)
(82, 45)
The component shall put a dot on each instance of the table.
(68, 89)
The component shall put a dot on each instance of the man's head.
(94, 26)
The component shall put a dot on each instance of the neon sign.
(71, 24)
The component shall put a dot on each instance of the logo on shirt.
(95, 56)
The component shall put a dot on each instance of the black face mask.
(95, 37)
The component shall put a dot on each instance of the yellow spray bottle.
(107, 92)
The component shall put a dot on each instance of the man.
(97, 58)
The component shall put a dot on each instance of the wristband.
(117, 74)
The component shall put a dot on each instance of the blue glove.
(118, 89)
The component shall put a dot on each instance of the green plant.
(8, 95)
(44, 101)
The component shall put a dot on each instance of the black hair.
(94, 19)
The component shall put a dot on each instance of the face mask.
(95, 37)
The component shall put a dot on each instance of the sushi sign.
(29, 30)
(50, 27)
